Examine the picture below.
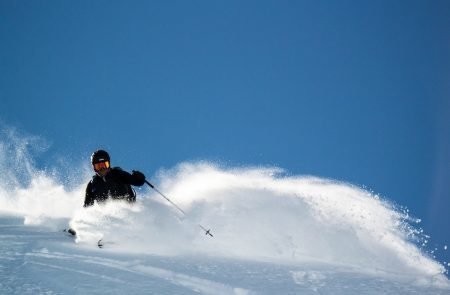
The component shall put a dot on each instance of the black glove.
(138, 177)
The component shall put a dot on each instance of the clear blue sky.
(353, 91)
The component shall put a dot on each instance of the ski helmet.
(99, 156)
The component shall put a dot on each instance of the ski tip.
(70, 231)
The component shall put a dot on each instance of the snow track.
(128, 272)
(28, 266)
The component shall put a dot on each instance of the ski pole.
(207, 231)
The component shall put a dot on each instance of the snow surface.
(273, 234)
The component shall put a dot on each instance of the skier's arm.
(136, 178)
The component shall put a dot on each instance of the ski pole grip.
(151, 185)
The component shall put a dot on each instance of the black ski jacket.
(116, 185)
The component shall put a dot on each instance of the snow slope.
(37, 261)
(273, 234)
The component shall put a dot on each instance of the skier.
(110, 183)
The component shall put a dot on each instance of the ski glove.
(139, 177)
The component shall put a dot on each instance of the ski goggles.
(101, 165)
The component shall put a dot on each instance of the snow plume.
(258, 214)
(37, 195)
(254, 213)
(16, 150)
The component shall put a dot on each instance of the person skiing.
(110, 182)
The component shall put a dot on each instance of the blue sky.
(358, 92)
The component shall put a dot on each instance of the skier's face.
(101, 168)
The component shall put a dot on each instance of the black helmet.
(99, 156)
